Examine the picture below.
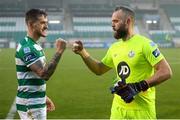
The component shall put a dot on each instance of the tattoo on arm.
(50, 68)
(46, 71)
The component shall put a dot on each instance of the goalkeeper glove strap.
(140, 86)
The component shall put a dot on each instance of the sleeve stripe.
(27, 75)
(33, 62)
(19, 61)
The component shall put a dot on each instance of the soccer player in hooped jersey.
(139, 65)
(32, 69)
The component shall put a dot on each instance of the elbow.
(44, 76)
(99, 69)
(168, 74)
(98, 73)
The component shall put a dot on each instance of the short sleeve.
(107, 60)
(152, 53)
(29, 55)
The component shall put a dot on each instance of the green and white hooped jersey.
(31, 88)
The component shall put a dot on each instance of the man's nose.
(112, 24)
(46, 26)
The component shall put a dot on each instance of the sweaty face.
(40, 27)
(118, 25)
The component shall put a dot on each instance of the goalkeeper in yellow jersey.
(139, 65)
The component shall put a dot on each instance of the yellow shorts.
(121, 113)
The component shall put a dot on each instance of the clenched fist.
(60, 45)
(50, 104)
(77, 47)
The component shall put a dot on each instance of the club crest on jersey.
(156, 52)
(27, 50)
(131, 54)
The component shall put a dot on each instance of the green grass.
(78, 93)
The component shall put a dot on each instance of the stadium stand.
(91, 21)
(174, 18)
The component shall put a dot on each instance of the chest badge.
(131, 54)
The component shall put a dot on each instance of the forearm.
(45, 71)
(163, 72)
(49, 69)
(158, 77)
(92, 64)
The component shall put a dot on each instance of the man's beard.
(120, 33)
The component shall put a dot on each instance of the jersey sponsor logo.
(156, 53)
(27, 50)
(131, 54)
(30, 57)
(123, 70)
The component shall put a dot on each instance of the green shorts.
(121, 113)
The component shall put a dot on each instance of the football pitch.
(80, 94)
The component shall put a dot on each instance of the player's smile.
(44, 31)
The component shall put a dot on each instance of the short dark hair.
(33, 14)
(127, 10)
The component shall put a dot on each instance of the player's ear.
(30, 24)
(128, 21)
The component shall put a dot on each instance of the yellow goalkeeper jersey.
(134, 60)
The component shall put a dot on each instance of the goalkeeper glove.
(128, 91)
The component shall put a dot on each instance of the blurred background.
(76, 92)
(90, 20)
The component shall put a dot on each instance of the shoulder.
(144, 41)
(115, 44)
(112, 47)
(25, 47)
(141, 38)
(22, 43)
